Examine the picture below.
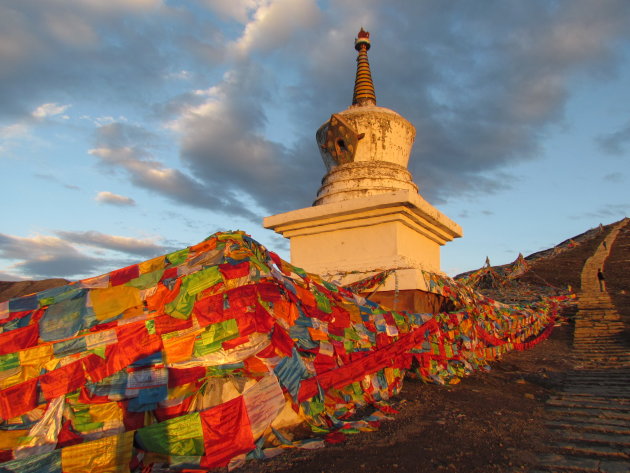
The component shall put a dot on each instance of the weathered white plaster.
(379, 163)
(353, 239)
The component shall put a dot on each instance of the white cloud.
(238, 10)
(21, 129)
(180, 75)
(107, 197)
(122, 147)
(49, 110)
(70, 28)
(274, 23)
(118, 5)
(14, 131)
(45, 256)
(146, 247)
(72, 254)
(11, 277)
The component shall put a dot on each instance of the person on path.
(601, 279)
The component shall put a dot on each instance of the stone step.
(595, 382)
(604, 390)
(586, 406)
(596, 438)
(607, 426)
(598, 382)
(600, 451)
(569, 463)
(593, 346)
(582, 353)
(573, 464)
(582, 421)
(589, 375)
(607, 386)
(603, 363)
(603, 384)
(615, 383)
(596, 342)
(599, 321)
(588, 346)
(589, 400)
(595, 307)
(591, 415)
(613, 466)
(588, 397)
(597, 326)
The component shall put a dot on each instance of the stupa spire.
(363, 86)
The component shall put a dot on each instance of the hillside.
(13, 289)
(617, 271)
(555, 270)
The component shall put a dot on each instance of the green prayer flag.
(177, 257)
(214, 335)
(147, 280)
(181, 436)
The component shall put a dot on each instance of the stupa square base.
(347, 241)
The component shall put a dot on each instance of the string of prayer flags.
(207, 356)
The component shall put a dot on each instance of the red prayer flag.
(167, 324)
(121, 276)
(19, 339)
(18, 399)
(179, 376)
(281, 340)
(226, 433)
(67, 437)
(233, 271)
(62, 380)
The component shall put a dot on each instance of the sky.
(131, 128)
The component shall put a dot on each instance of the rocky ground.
(490, 422)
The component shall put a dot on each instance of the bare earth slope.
(13, 289)
(617, 273)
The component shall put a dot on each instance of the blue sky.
(130, 128)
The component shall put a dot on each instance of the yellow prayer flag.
(105, 412)
(112, 301)
(107, 455)
(151, 265)
(9, 439)
(32, 360)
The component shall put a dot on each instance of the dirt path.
(591, 415)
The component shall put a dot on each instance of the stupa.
(368, 215)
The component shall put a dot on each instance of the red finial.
(362, 38)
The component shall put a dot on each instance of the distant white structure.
(368, 215)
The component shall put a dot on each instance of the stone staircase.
(591, 416)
